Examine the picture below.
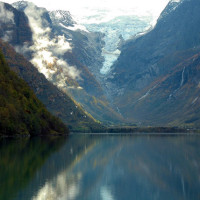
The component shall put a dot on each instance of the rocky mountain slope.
(153, 65)
(14, 25)
(172, 99)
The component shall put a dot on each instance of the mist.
(48, 49)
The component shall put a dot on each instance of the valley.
(100, 100)
(117, 69)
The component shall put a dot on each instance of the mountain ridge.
(68, 64)
(147, 59)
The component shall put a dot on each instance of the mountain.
(20, 111)
(67, 54)
(61, 16)
(56, 101)
(14, 25)
(116, 31)
(147, 67)
(171, 100)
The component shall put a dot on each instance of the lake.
(101, 167)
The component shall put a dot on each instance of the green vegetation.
(20, 110)
(131, 129)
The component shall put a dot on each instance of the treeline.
(20, 110)
(135, 130)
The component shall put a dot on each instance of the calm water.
(101, 168)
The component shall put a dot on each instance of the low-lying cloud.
(6, 16)
(7, 36)
(48, 49)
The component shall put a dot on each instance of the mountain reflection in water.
(117, 168)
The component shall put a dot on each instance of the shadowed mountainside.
(154, 75)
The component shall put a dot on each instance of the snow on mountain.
(116, 31)
(61, 16)
(176, 1)
(117, 27)
(65, 19)
(75, 27)
(172, 5)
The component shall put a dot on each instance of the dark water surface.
(86, 167)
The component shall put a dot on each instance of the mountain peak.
(171, 6)
(61, 16)
(22, 5)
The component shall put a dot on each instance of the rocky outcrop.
(14, 26)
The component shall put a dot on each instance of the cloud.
(6, 16)
(81, 10)
(48, 49)
(7, 36)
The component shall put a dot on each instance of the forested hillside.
(20, 110)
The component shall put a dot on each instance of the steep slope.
(20, 111)
(14, 25)
(147, 59)
(56, 101)
(171, 100)
(141, 59)
(87, 46)
(65, 53)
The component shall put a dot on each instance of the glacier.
(116, 31)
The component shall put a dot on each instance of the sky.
(81, 8)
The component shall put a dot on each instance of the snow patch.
(116, 31)
(195, 100)
(177, 1)
(75, 27)
(182, 77)
(147, 93)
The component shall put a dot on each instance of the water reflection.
(20, 159)
(118, 168)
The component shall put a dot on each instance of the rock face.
(146, 61)
(172, 99)
(86, 49)
(14, 25)
(176, 30)
(64, 52)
